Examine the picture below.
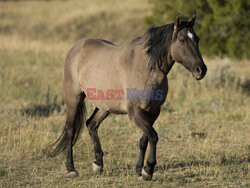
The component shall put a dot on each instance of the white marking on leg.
(72, 174)
(96, 168)
(145, 175)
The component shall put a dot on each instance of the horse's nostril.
(198, 69)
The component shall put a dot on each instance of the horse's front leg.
(145, 120)
(143, 147)
(147, 171)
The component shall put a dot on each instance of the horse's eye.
(182, 40)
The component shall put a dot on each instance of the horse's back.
(87, 49)
(98, 53)
(98, 44)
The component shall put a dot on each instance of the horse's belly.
(113, 106)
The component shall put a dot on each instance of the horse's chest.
(152, 101)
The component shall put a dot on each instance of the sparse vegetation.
(203, 128)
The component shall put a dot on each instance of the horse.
(143, 64)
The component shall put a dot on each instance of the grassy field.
(203, 128)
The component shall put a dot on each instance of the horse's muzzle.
(199, 72)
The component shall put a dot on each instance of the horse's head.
(185, 47)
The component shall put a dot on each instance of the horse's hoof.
(145, 175)
(140, 178)
(72, 174)
(97, 168)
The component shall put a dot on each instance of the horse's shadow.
(223, 161)
(168, 166)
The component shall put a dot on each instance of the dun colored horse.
(141, 65)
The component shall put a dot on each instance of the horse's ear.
(177, 22)
(192, 19)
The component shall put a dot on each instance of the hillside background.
(203, 128)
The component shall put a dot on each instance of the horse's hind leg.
(93, 123)
(74, 121)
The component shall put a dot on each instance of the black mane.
(157, 44)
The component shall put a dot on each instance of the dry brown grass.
(203, 128)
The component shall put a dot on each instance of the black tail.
(62, 141)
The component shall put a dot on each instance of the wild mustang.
(143, 64)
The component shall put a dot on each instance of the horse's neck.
(144, 76)
(165, 67)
